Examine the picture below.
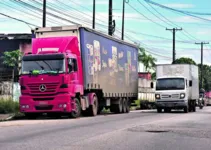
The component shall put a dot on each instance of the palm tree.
(147, 59)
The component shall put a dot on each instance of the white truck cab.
(176, 87)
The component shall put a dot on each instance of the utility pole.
(93, 24)
(202, 44)
(110, 18)
(123, 19)
(44, 14)
(174, 33)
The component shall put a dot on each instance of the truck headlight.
(157, 96)
(182, 95)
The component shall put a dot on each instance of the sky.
(145, 23)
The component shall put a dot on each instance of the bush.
(8, 106)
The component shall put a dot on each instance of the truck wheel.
(124, 105)
(93, 109)
(194, 106)
(167, 110)
(159, 110)
(77, 112)
(117, 108)
(186, 109)
(127, 105)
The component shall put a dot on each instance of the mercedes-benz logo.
(42, 88)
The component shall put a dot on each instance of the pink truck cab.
(68, 74)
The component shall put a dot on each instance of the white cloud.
(204, 32)
(179, 5)
(187, 19)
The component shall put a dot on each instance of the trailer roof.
(77, 27)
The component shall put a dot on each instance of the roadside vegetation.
(8, 106)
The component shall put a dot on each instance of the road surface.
(138, 130)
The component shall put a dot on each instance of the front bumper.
(58, 103)
(171, 103)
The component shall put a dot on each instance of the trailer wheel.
(194, 106)
(124, 105)
(93, 109)
(159, 110)
(127, 105)
(117, 108)
(77, 112)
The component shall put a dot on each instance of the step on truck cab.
(177, 87)
(74, 70)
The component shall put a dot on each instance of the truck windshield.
(170, 84)
(43, 66)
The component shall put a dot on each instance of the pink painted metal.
(55, 98)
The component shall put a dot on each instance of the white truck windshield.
(170, 84)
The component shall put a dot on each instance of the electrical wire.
(172, 9)
(146, 16)
(27, 23)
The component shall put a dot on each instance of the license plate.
(43, 103)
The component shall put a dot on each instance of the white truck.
(177, 87)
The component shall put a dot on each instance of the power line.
(56, 16)
(146, 16)
(183, 12)
(27, 23)
(174, 24)
(153, 13)
(34, 11)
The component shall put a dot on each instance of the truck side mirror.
(152, 85)
(190, 83)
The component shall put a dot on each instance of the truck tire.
(127, 105)
(194, 106)
(159, 110)
(167, 110)
(77, 112)
(117, 108)
(93, 109)
(124, 105)
(186, 109)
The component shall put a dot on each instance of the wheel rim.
(76, 112)
(120, 105)
(95, 105)
(124, 105)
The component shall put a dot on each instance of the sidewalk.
(5, 116)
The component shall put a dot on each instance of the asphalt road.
(138, 130)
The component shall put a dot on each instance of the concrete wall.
(6, 90)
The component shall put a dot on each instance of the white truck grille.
(170, 96)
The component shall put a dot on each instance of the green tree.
(10, 59)
(147, 59)
(185, 60)
(206, 80)
(154, 76)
